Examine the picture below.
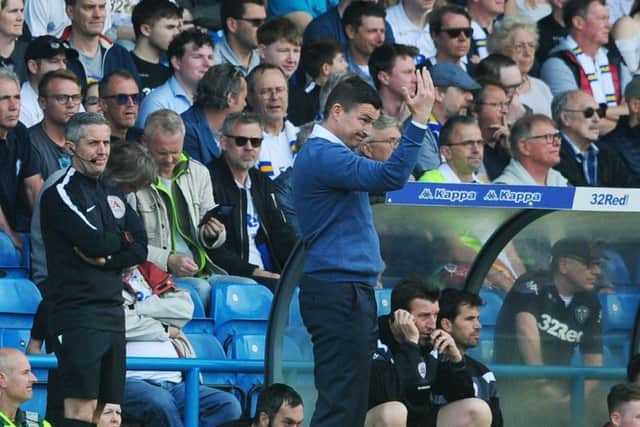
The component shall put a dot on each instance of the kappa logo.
(117, 206)
(581, 313)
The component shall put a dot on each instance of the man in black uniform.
(414, 361)
(545, 317)
(460, 317)
(555, 312)
(90, 234)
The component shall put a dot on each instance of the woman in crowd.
(518, 39)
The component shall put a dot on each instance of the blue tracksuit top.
(330, 190)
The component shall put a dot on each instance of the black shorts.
(92, 364)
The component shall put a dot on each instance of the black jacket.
(83, 213)
(275, 232)
(413, 375)
(612, 171)
(626, 141)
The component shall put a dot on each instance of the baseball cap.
(448, 74)
(46, 47)
(577, 248)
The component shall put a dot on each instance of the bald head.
(16, 379)
(8, 357)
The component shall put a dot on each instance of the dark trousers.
(341, 318)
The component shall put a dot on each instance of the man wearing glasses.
(59, 96)
(240, 21)
(44, 54)
(462, 147)
(259, 240)
(582, 161)
(548, 315)
(535, 150)
(120, 99)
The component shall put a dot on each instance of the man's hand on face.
(403, 325)
(444, 343)
(421, 103)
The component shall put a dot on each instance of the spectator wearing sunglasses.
(44, 54)
(120, 99)
(259, 240)
(450, 28)
(191, 55)
(240, 22)
(59, 96)
(535, 150)
(582, 161)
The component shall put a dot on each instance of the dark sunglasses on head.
(59, 44)
(241, 141)
(590, 111)
(455, 32)
(123, 98)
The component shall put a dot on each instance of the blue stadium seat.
(199, 324)
(208, 347)
(616, 269)
(618, 316)
(239, 308)
(19, 300)
(13, 263)
(383, 301)
(198, 307)
(295, 317)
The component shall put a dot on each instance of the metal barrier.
(191, 367)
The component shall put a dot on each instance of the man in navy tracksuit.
(90, 235)
(331, 196)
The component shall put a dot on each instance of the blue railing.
(192, 368)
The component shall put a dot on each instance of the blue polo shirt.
(168, 95)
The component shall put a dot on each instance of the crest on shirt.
(532, 286)
(117, 206)
(422, 370)
(581, 313)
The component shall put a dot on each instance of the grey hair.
(168, 122)
(130, 164)
(329, 85)
(74, 131)
(560, 103)
(384, 122)
(499, 40)
(241, 117)
(7, 73)
(523, 128)
(6, 359)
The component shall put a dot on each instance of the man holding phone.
(173, 209)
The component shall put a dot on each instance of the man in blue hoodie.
(331, 186)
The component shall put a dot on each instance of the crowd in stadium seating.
(203, 130)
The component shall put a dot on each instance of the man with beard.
(535, 150)
(460, 317)
(278, 406)
(582, 161)
(120, 99)
(414, 361)
(259, 240)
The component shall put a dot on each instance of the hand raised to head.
(421, 103)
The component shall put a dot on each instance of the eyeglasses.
(65, 99)
(123, 98)
(512, 87)
(549, 138)
(467, 144)
(455, 32)
(393, 142)
(497, 105)
(590, 111)
(521, 47)
(256, 22)
(241, 141)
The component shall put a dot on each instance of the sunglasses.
(601, 111)
(256, 22)
(455, 32)
(241, 141)
(123, 98)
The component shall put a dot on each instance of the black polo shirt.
(17, 163)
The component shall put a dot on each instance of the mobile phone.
(219, 212)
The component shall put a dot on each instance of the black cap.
(46, 47)
(581, 249)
